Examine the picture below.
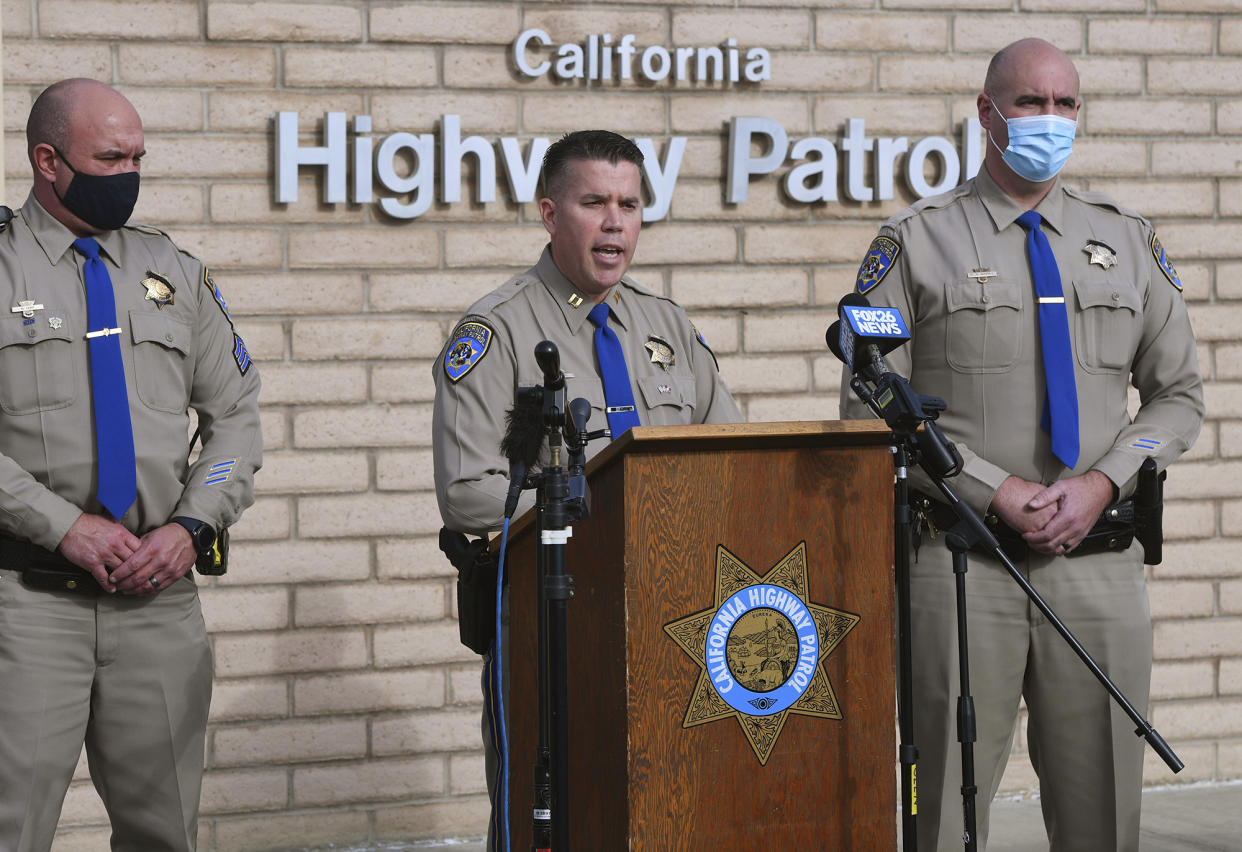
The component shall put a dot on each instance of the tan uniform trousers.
(1084, 749)
(129, 677)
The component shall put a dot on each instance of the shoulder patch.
(879, 260)
(470, 342)
(698, 335)
(1162, 260)
(216, 294)
(240, 355)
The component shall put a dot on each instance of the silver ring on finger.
(155, 581)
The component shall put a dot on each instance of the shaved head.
(50, 117)
(1010, 66)
(81, 127)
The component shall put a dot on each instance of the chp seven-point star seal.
(760, 649)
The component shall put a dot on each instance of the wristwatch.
(202, 534)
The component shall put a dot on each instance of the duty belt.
(44, 569)
(1112, 532)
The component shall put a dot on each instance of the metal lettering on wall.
(351, 171)
(353, 163)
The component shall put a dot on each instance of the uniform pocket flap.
(1106, 294)
(14, 333)
(969, 294)
(167, 331)
(667, 390)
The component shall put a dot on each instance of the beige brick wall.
(345, 710)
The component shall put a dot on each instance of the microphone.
(549, 360)
(863, 335)
(521, 443)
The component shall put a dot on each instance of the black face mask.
(101, 201)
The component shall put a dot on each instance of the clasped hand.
(121, 561)
(1053, 519)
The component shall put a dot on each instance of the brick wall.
(344, 709)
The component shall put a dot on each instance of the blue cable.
(499, 668)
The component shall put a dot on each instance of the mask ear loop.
(996, 109)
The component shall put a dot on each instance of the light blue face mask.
(1039, 145)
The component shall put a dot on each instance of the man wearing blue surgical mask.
(1033, 306)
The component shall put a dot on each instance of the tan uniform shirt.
(975, 341)
(541, 304)
(177, 356)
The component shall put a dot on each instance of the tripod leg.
(965, 702)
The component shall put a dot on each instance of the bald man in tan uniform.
(592, 211)
(115, 653)
(957, 267)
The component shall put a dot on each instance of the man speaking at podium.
(633, 354)
(1032, 306)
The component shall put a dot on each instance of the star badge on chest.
(159, 289)
(661, 352)
(1101, 254)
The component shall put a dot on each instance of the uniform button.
(1116, 297)
(30, 332)
(985, 300)
(168, 337)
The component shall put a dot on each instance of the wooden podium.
(674, 508)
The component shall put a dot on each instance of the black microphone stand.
(907, 751)
(905, 412)
(562, 498)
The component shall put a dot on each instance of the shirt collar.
(1004, 211)
(574, 304)
(55, 239)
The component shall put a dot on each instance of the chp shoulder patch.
(470, 342)
(240, 355)
(698, 335)
(879, 260)
(1162, 260)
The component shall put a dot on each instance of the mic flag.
(865, 330)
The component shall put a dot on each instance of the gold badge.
(982, 275)
(159, 289)
(1101, 254)
(661, 352)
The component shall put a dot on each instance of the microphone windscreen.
(523, 434)
(833, 338)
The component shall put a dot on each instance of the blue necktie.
(114, 434)
(618, 395)
(1060, 417)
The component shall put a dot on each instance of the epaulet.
(502, 294)
(632, 285)
(149, 230)
(1099, 199)
(925, 205)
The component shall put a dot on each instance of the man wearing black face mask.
(109, 335)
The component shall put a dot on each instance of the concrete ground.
(1190, 818)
